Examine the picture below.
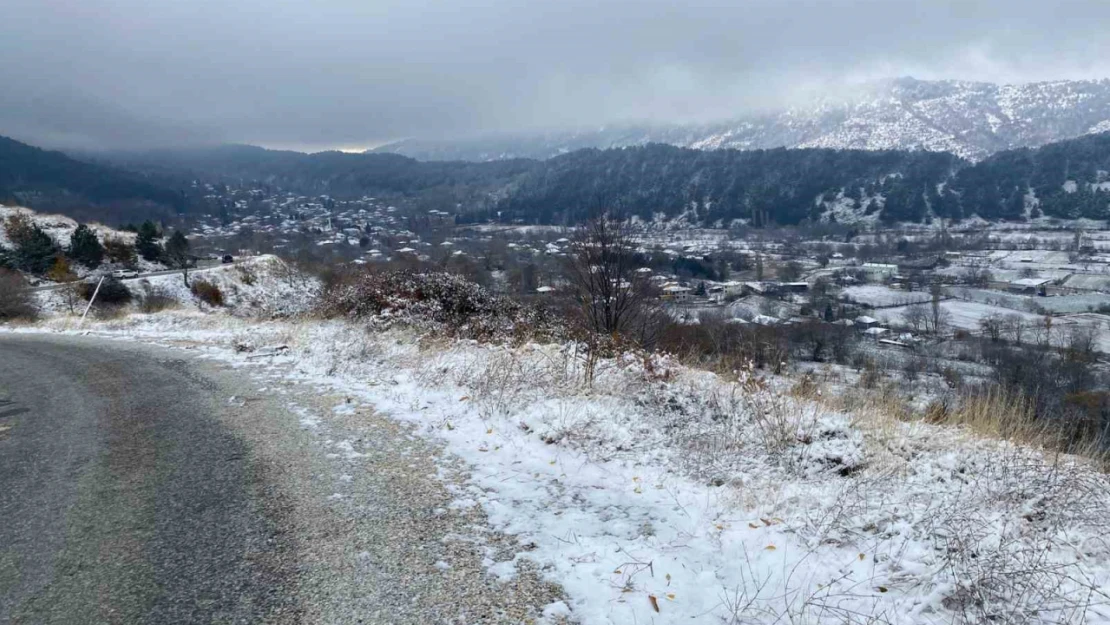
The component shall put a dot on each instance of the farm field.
(963, 315)
(878, 296)
(1060, 304)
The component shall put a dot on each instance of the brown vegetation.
(207, 292)
(16, 300)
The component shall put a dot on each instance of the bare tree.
(1013, 325)
(613, 298)
(916, 316)
(1082, 342)
(1044, 331)
(177, 254)
(991, 325)
(938, 316)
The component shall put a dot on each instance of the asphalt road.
(124, 500)
(200, 268)
(141, 485)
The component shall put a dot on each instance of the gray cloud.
(350, 73)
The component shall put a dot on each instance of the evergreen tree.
(6, 258)
(85, 248)
(146, 244)
(35, 251)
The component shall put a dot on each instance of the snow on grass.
(1056, 304)
(260, 286)
(662, 494)
(965, 315)
(59, 227)
(881, 296)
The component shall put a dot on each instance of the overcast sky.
(316, 74)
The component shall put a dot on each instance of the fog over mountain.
(970, 119)
(356, 74)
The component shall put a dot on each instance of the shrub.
(247, 274)
(153, 300)
(207, 292)
(119, 251)
(16, 300)
(112, 292)
(434, 300)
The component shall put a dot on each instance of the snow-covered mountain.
(971, 119)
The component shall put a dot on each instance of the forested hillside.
(763, 186)
(337, 173)
(53, 181)
(1067, 180)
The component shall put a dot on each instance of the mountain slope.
(969, 119)
(1066, 179)
(335, 173)
(43, 179)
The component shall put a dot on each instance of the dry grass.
(991, 413)
(1011, 416)
(154, 300)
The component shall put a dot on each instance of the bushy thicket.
(152, 299)
(112, 292)
(16, 301)
(207, 292)
(436, 300)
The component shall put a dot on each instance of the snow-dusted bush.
(433, 300)
(16, 301)
(207, 292)
(152, 299)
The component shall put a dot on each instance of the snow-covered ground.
(963, 315)
(1057, 304)
(660, 494)
(879, 296)
(260, 286)
(59, 227)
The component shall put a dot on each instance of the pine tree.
(146, 244)
(85, 248)
(35, 251)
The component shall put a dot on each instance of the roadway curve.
(123, 498)
(140, 485)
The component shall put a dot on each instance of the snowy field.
(964, 315)
(1093, 282)
(1057, 304)
(655, 493)
(878, 296)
